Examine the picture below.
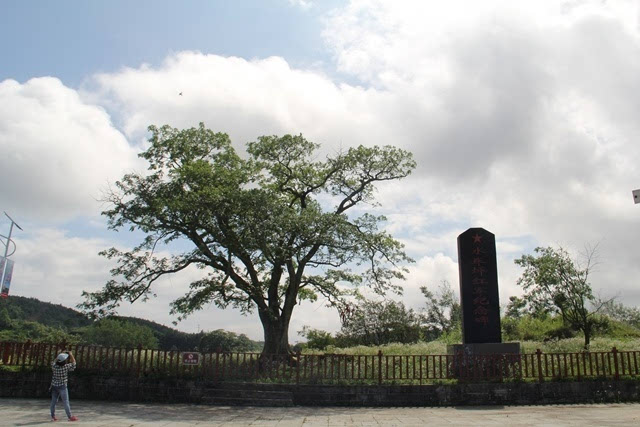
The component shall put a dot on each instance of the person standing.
(62, 365)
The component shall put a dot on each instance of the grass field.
(571, 345)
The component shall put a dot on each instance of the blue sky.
(522, 117)
(74, 39)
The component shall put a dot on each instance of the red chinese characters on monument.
(479, 282)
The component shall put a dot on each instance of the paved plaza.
(32, 412)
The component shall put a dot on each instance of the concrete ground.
(32, 412)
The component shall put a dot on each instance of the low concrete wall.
(31, 384)
(471, 394)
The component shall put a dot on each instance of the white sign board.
(636, 196)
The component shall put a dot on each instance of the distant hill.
(53, 315)
(168, 337)
(44, 319)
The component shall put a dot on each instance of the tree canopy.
(380, 322)
(443, 313)
(225, 341)
(270, 229)
(554, 283)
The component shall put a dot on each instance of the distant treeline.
(24, 319)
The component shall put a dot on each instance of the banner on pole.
(6, 267)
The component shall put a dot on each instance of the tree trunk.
(276, 334)
(276, 338)
(587, 337)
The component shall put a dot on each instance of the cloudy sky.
(522, 116)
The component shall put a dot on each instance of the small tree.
(255, 224)
(380, 322)
(621, 313)
(516, 308)
(317, 338)
(221, 340)
(554, 283)
(443, 313)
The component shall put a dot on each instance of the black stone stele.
(479, 287)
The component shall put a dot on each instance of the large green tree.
(270, 228)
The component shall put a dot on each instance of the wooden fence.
(330, 368)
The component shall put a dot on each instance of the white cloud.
(54, 267)
(303, 4)
(58, 151)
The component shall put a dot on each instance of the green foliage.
(254, 224)
(378, 323)
(52, 315)
(616, 329)
(119, 333)
(530, 328)
(516, 308)
(621, 313)
(571, 345)
(553, 283)
(220, 340)
(452, 337)
(443, 313)
(576, 345)
(418, 348)
(5, 319)
(23, 330)
(23, 319)
(168, 338)
(317, 338)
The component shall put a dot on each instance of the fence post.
(138, 361)
(218, 375)
(298, 363)
(539, 356)
(35, 355)
(615, 363)
(379, 367)
(5, 352)
(25, 349)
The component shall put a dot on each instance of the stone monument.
(479, 296)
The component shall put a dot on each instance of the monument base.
(484, 361)
(485, 348)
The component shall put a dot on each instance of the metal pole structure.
(6, 247)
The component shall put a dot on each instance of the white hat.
(62, 357)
